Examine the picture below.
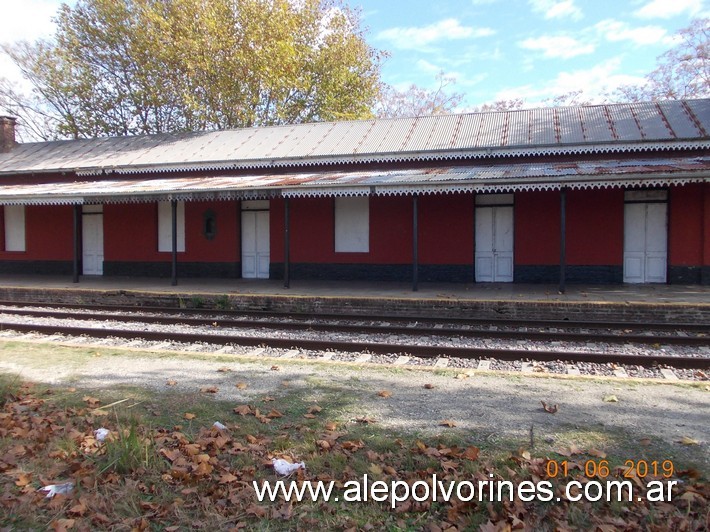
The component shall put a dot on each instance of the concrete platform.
(668, 303)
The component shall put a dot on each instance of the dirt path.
(490, 407)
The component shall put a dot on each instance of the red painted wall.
(445, 231)
(537, 228)
(49, 234)
(131, 233)
(313, 232)
(595, 227)
(685, 225)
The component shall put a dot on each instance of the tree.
(124, 67)
(417, 101)
(681, 72)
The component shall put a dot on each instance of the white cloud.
(615, 31)
(596, 81)
(429, 68)
(669, 8)
(557, 46)
(556, 8)
(417, 38)
(29, 19)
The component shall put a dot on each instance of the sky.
(493, 49)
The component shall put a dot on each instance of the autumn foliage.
(193, 475)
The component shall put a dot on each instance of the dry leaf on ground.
(550, 409)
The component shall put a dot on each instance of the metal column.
(415, 243)
(173, 205)
(287, 243)
(563, 240)
(77, 243)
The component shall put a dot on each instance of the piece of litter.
(283, 468)
(101, 434)
(57, 489)
(219, 426)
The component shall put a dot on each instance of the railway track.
(288, 323)
(222, 324)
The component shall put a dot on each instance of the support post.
(415, 243)
(173, 205)
(77, 243)
(563, 240)
(287, 243)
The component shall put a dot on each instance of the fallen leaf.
(645, 441)
(597, 453)
(274, 414)
(275, 368)
(375, 470)
(447, 423)
(428, 386)
(189, 416)
(384, 393)
(365, 420)
(60, 525)
(611, 399)
(241, 385)
(685, 440)
(315, 409)
(256, 510)
(209, 389)
(462, 375)
(93, 402)
(550, 409)
(227, 478)
(171, 383)
(242, 410)
(23, 479)
(267, 399)
(331, 426)
(224, 369)
(471, 453)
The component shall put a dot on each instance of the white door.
(92, 241)
(645, 242)
(255, 244)
(494, 244)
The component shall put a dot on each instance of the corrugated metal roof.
(611, 172)
(572, 130)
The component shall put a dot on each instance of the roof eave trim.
(395, 157)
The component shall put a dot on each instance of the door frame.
(93, 211)
(647, 196)
(487, 201)
(252, 206)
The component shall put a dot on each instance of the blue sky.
(495, 49)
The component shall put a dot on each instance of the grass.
(138, 473)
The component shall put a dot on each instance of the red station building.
(595, 194)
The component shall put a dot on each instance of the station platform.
(660, 303)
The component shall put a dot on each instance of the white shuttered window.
(165, 226)
(14, 227)
(352, 225)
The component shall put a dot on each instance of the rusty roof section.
(617, 128)
(434, 179)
